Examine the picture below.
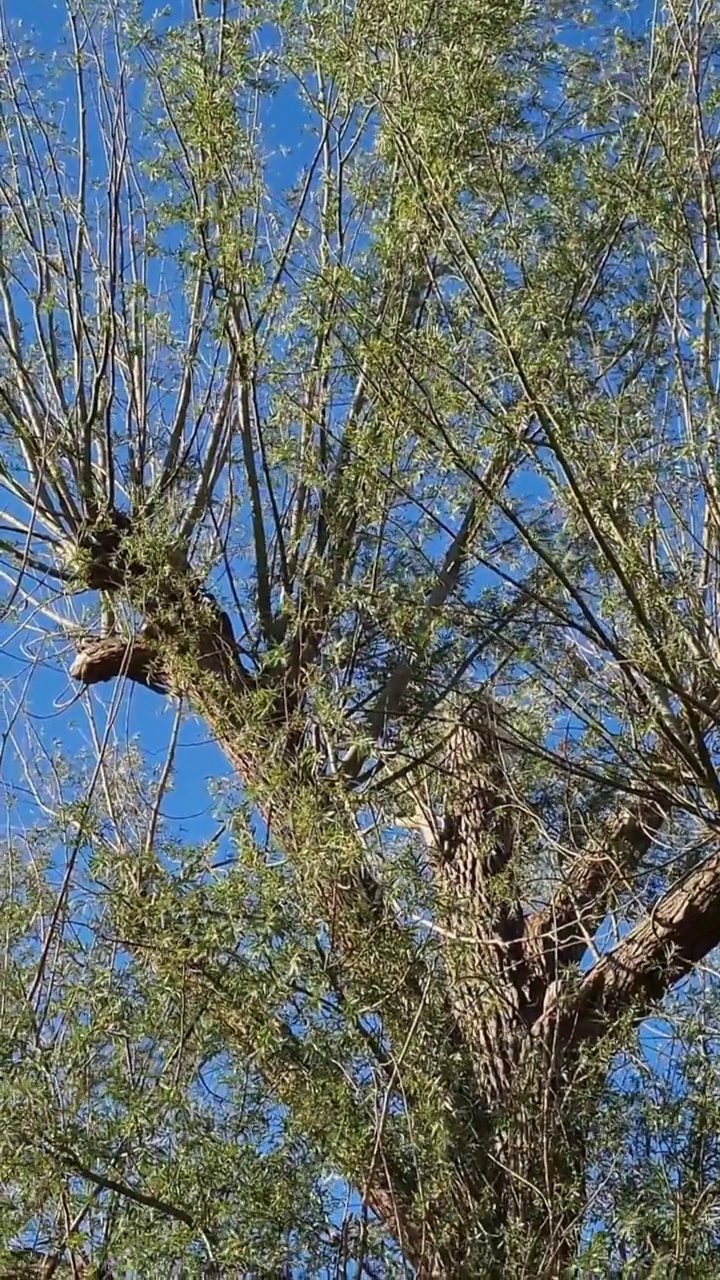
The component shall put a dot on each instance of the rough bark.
(534, 1155)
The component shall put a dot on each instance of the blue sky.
(141, 715)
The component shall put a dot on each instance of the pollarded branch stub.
(103, 658)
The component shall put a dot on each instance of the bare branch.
(456, 558)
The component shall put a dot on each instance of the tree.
(388, 451)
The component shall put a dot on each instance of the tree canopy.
(359, 431)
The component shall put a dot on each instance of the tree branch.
(103, 658)
(681, 929)
(129, 1192)
(561, 931)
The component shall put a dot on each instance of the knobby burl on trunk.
(519, 1011)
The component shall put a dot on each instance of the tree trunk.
(519, 1164)
(518, 1011)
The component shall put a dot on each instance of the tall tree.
(359, 398)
